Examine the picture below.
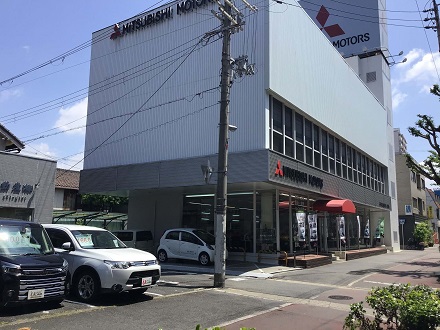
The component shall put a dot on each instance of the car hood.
(49, 260)
(123, 254)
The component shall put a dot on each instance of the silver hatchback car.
(186, 243)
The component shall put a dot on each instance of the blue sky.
(39, 104)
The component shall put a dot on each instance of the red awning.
(335, 206)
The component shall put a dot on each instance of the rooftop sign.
(352, 29)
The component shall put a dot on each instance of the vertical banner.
(359, 227)
(313, 227)
(341, 226)
(367, 229)
(301, 219)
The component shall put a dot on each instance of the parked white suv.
(187, 243)
(99, 262)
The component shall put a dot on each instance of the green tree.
(426, 129)
(423, 233)
(92, 202)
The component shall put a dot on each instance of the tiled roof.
(67, 179)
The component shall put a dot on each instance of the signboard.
(408, 210)
(353, 30)
(402, 221)
(430, 212)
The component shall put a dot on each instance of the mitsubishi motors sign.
(353, 27)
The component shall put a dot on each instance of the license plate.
(35, 294)
(146, 281)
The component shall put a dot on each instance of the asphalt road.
(185, 297)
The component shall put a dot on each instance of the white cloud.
(6, 95)
(41, 150)
(398, 98)
(423, 70)
(73, 117)
(27, 48)
(411, 57)
(426, 89)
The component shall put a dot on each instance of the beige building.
(411, 195)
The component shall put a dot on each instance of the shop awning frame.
(335, 206)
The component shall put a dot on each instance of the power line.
(98, 87)
(119, 116)
(429, 45)
(131, 116)
(63, 56)
(379, 21)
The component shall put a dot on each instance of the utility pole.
(231, 21)
(222, 179)
(436, 19)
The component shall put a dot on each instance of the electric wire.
(429, 45)
(384, 20)
(131, 116)
(118, 116)
(174, 120)
(106, 105)
(63, 56)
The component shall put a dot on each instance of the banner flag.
(367, 229)
(341, 225)
(301, 219)
(313, 227)
(359, 226)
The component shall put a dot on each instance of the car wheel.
(204, 258)
(87, 286)
(162, 256)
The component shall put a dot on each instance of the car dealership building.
(313, 148)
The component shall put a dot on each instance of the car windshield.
(205, 236)
(97, 239)
(24, 240)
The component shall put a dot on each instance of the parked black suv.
(30, 270)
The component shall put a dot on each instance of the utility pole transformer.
(436, 19)
(231, 21)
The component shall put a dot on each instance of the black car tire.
(86, 286)
(162, 256)
(204, 259)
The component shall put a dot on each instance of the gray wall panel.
(35, 172)
(164, 128)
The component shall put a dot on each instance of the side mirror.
(67, 246)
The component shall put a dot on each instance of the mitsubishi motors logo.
(332, 30)
(289, 173)
(278, 170)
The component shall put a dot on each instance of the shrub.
(423, 233)
(400, 307)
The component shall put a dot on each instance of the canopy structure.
(335, 206)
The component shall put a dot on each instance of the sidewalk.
(233, 268)
(320, 313)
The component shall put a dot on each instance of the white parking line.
(154, 294)
(79, 303)
(167, 282)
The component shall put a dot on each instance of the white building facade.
(309, 130)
